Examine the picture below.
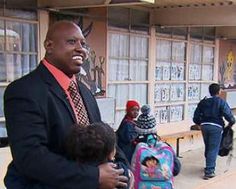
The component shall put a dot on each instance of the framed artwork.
(166, 71)
(176, 113)
(177, 71)
(177, 92)
(157, 93)
(165, 93)
(194, 72)
(194, 92)
(163, 114)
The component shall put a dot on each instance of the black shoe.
(209, 175)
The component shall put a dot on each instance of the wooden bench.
(178, 136)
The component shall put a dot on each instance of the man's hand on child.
(110, 177)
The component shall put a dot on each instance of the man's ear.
(48, 45)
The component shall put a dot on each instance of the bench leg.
(177, 146)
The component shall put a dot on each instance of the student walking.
(209, 114)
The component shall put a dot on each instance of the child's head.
(146, 123)
(94, 143)
(132, 108)
(214, 89)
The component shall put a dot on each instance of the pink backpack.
(152, 166)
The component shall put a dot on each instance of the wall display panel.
(176, 113)
(194, 91)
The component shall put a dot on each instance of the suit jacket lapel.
(55, 88)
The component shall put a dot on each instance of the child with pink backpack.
(153, 160)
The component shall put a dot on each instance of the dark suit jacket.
(38, 115)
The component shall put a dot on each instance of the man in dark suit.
(39, 112)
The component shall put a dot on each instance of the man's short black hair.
(214, 89)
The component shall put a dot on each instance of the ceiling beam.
(70, 4)
(205, 16)
(60, 4)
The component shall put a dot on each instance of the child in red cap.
(126, 133)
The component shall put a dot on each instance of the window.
(128, 69)
(180, 82)
(201, 72)
(18, 51)
(169, 90)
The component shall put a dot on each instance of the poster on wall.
(177, 71)
(177, 92)
(165, 93)
(194, 72)
(166, 71)
(176, 113)
(157, 93)
(164, 114)
(227, 70)
(194, 92)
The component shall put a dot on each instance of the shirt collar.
(62, 78)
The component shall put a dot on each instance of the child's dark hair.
(92, 143)
(214, 89)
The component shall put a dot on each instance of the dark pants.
(212, 137)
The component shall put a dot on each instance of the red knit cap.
(131, 104)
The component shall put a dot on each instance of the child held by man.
(93, 144)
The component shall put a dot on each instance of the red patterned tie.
(82, 115)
